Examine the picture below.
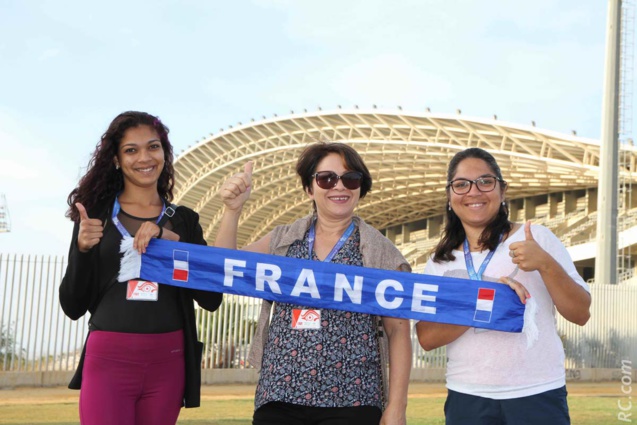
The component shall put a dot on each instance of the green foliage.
(6, 341)
(607, 352)
(10, 352)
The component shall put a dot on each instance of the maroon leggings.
(132, 379)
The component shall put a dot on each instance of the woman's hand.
(393, 415)
(234, 193)
(144, 234)
(571, 300)
(517, 287)
(236, 190)
(91, 230)
(528, 255)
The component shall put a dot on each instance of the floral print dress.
(337, 365)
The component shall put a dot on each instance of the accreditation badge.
(306, 319)
(142, 290)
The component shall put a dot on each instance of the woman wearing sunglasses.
(332, 372)
(499, 377)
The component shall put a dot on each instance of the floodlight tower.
(5, 222)
(606, 259)
(616, 130)
(626, 200)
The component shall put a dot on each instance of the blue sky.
(68, 67)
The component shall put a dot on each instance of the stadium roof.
(407, 154)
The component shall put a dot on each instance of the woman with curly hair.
(141, 361)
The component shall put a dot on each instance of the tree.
(9, 351)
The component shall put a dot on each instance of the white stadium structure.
(552, 177)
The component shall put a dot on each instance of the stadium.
(552, 181)
(552, 178)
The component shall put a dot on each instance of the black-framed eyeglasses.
(329, 179)
(484, 184)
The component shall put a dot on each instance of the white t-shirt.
(496, 364)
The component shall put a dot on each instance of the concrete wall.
(250, 376)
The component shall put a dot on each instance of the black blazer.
(81, 290)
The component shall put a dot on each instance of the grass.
(585, 410)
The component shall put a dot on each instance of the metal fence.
(37, 336)
(34, 333)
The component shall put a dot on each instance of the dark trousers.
(277, 413)
(547, 408)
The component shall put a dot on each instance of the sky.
(68, 67)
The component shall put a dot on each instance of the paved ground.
(31, 395)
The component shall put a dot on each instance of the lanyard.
(469, 261)
(119, 225)
(312, 235)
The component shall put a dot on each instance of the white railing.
(34, 333)
(36, 336)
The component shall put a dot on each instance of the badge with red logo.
(306, 319)
(142, 290)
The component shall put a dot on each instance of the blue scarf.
(317, 284)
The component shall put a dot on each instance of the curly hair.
(453, 234)
(102, 181)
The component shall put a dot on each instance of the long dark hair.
(453, 234)
(102, 181)
(314, 153)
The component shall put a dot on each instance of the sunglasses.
(329, 179)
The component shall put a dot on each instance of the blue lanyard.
(312, 235)
(469, 261)
(119, 225)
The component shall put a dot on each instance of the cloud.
(539, 61)
(49, 54)
(36, 183)
(524, 61)
(9, 169)
(387, 80)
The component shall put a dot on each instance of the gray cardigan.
(377, 251)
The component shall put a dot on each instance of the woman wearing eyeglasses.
(331, 373)
(498, 377)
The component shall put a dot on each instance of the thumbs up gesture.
(236, 190)
(91, 230)
(528, 254)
